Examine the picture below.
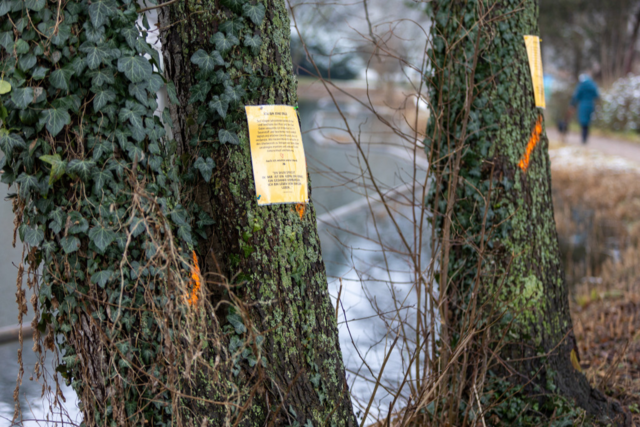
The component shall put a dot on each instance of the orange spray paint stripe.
(533, 141)
(300, 209)
(197, 281)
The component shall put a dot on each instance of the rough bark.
(270, 254)
(501, 229)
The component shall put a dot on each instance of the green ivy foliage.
(99, 200)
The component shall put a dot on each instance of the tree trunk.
(490, 150)
(270, 254)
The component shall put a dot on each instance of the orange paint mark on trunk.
(533, 141)
(300, 207)
(196, 278)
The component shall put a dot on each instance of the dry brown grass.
(605, 303)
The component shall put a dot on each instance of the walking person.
(584, 98)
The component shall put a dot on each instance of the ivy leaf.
(224, 43)
(205, 167)
(101, 76)
(171, 91)
(33, 236)
(55, 119)
(22, 97)
(199, 92)
(70, 244)
(5, 7)
(100, 179)
(234, 94)
(99, 12)
(232, 26)
(96, 55)
(102, 98)
(236, 322)
(39, 73)
(226, 136)
(27, 62)
(155, 83)
(254, 43)
(136, 68)
(78, 223)
(60, 78)
(101, 237)
(139, 91)
(234, 5)
(101, 277)
(132, 115)
(94, 35)
(219, 105)
(255, 12)
(21, 47)
(58, 167)
(130, 35)
(205, 61)
(35, 5)
(10, 141)
(81, 168)
(27, 182)
(137, 226)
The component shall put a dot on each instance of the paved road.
(611, 146)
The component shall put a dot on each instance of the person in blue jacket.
(584, 99)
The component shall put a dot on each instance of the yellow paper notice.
(535, 65)
(277, 154)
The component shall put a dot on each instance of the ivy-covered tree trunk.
(223, 55)
(494, 207)
(105, 207)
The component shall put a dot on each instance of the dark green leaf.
(136, 68)
(22, 97)
(255, 12)
(205, 167)
(236, 322)
(254, 43)
(81, 168)
(234, 5)
(139, 91)
(137, 226)
(224, 43)
(33, 236)
(39, 73)
(35, 5)
(99, 179)
(27, 62)
(219, 105)
(21, 47)
(55, 119)
(155, 83)
(199, 92)
(101, 76)
(93, 34)
(100, 11)
(171, 91)
(234, 94)
(78, 224)
(205, 61)
(101, 237)
(10, 141)
(102, 98)
(232, 26)
(60, 78)
(101, 277)
(70, 244)
(226, 136)
(130, 34)
(96, 55)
